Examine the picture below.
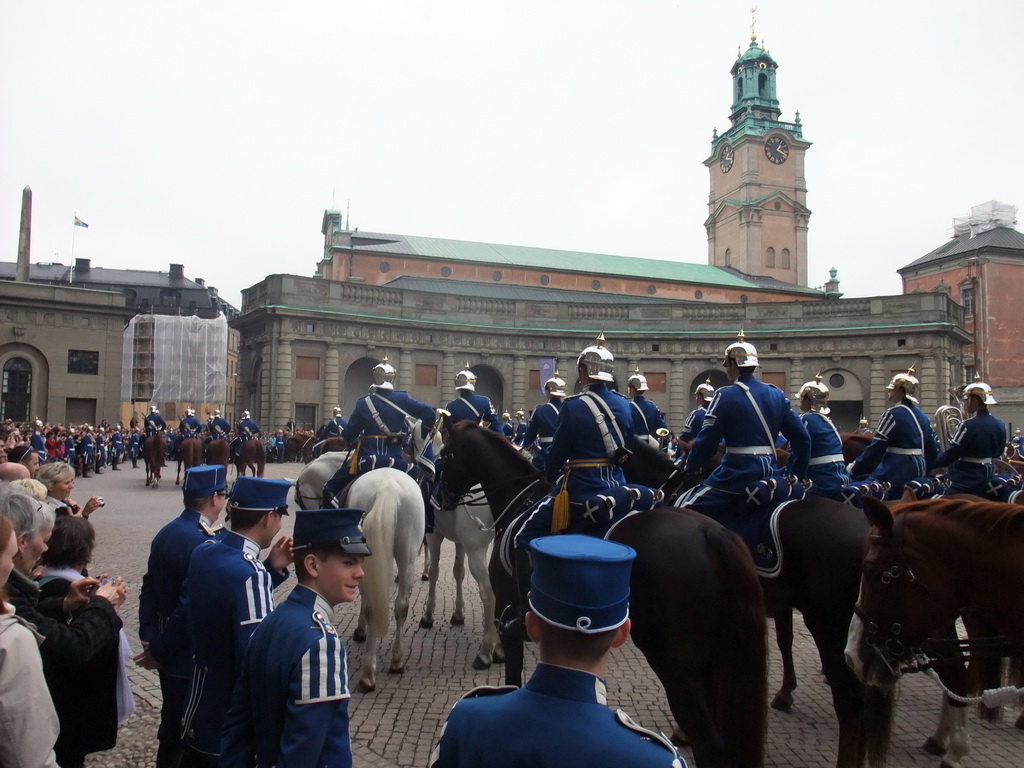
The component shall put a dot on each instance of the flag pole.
(73, 228)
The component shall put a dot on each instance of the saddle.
(854, 493)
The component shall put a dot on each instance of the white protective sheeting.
(175, 359)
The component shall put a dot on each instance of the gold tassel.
(560, 512)
(353, 464)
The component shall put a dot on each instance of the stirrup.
(511, 624)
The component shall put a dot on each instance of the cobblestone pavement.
(396, 725)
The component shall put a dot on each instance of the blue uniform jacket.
(69, 447)
(290, 706)
(904, 447)
(228, 593)
(508, 430)
(389, 441)
(978, 441)
(116, 441)
(558, 719)
(38, 443)
(520, 430)
(334, 427)
(190, 426)
(160, 598)
(647, 419)
(541, 429)
(731, 419)
(218, 427)
(469, 406)
(693, 424)
(250, 426)
(88, 446)
(578, 436)
(827, 468)
(155, 423)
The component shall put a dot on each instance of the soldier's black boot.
(513, 619)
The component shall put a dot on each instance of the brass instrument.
(947, 420)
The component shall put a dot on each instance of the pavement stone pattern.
(396, 725)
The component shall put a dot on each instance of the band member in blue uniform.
(217, 427)
(116, 448)
(333, 428)
(702, 396)
(69, 448)
(746, 416)
(648, 423)
(135, 447)
(541, 430)
(247, 429)
(1017, 445)
(155, 422)
(100, 451)
(579, 599)
(166, 643)
(378, 430)
(507, 428)
(519, 428)
(469, 406)
(904, 447)
(863, 428)
(978, 443)
(228, 593)
(38, 441)
(290, 706)
(87, 454)
(826, 469)
(189, 426)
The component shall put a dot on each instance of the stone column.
(876, 399)
(448, 371)
(797, 377)
(931, 384)
(282, 405)
(332, 379)
(678, 397)
(519, 381)
(406, 372)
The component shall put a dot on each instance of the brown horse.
(251, 456)
(153, 450)
(299, 445)
(695, 602)
(929, 562)
(190, 454)
(219, 452)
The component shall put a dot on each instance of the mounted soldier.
(520, 428)
(1017, 445)
(469, 406)
(541, 430)
(247, 429)
(978, 443)
(702, 396)
(904, 447)
(648, 423)
(379, 431)
(826, 469)
(593, 438)
(189, 426)
(217, 427)
(333, 428)
(747, 416)
(507, 428)
(155, 423)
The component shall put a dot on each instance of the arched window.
(769, 257)
(15, 397)
(785, 258)
(728, 257)
(739, 89)
(762, 85)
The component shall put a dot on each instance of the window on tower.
(769, 257)
(728, 257)
(785, 258)
(762, 85)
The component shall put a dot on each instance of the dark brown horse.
(219, 452)
(823, 542)
(695, 602)
(190, 454)
(153, 450)
(251, 456)
(928, 563)
(299, 445)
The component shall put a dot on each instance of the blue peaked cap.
(334, 528)
(580, 582)
(256, 494)
(204, 481)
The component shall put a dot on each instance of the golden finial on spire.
(753, 21)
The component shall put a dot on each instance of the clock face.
(776, 149)
(726, 158)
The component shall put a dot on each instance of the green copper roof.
(755, 53)
(549, 259)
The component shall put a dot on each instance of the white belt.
(905, 451)
(752, 450)
(975, 461)
(545, 439)
(831, 459)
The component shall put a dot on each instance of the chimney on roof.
(177, 270)
(200, 281)
(83, 265)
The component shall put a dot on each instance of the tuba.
(947, 421)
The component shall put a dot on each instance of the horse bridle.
(520, 501)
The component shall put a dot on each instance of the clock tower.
(757, 212)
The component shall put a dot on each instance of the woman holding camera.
(59, 479)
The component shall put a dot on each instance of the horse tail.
(739, 666)
(379, 529)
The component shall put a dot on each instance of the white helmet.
(465, 379)
(520, 414)
(506, 416)
(337, 410)
(981, 390)
(906, 380)
(189, 412)
(555, 387)
(152, 409)
(743, 353)
(384, 375)
(638, 381)
(599, 362)
(245, 414)
(705, 390)
(818, 394)
(216, 412)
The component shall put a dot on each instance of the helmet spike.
(600, 338)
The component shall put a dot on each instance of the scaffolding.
(169, 359)
(985, 217)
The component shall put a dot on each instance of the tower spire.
(753, 21)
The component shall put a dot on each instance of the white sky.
(214, 134)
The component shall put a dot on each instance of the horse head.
(474, 454)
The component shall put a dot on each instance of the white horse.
(471, 527)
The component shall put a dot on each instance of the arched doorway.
(489, 384)
(846, 398)
(358, 379)
(716, 376)
(16, 396)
